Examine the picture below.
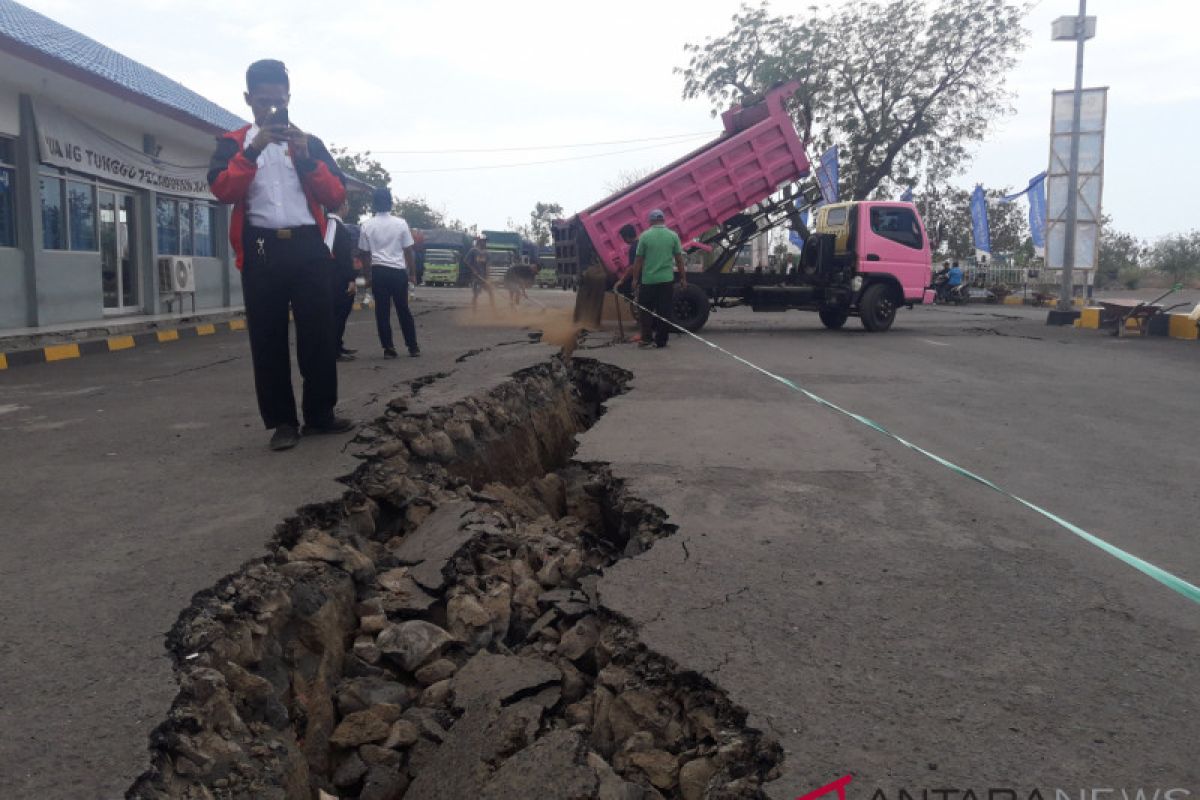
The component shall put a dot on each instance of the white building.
(103, 167)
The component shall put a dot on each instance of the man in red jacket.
(279, 181)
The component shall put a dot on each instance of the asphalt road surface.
(879, 614)
(888, 618)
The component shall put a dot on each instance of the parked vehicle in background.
(504, 250)
(441, 266)
(863, 259)
(438, 248)
(546, 277)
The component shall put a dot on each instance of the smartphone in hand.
(279, 116)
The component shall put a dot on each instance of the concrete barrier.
(1184, 327)
(1089, 317)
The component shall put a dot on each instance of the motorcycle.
(945, 294)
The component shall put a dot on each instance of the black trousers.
(391, 285)
(343, 304)
(659, 298)
(278, 274)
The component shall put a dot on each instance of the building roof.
(57, 46)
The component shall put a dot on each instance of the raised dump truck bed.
(863, 259)
(758, 152)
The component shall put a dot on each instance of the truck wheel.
(833, 317)
(877, 308)
(691, 308)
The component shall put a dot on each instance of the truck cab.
(859, 245)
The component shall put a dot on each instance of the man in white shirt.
(279, 181)
(386, 244)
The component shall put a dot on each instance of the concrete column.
(148, 243)
(29, 208)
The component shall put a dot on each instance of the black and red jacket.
(230, 174)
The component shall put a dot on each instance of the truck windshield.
(897, 224)
(441, 257)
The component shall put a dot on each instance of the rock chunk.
(488, 678)
(435, 541)
(552, 768)
(580, 639)
(411, 644)
(361, 727)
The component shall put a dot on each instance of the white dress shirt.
(385, 236)
(276, 199)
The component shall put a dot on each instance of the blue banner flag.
(827, 175)
(1037, 214)
(1034, 182)
(907, 197)
(979, 223)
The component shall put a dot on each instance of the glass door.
(118, 251)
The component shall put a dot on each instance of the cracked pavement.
(877, 614)
(889, 619)
(131, 481)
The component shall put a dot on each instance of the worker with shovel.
(477, 266)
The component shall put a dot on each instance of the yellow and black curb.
(112, 344)
(1175, 326)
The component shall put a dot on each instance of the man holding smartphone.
(279, 180)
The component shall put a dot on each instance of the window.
(202, 230)
(897, 224)
(54, 221)
(185, 228)
(81, 214)
(68, 214)
(8, 193)
(836, 217)
(168, 226)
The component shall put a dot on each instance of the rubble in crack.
(436, 633)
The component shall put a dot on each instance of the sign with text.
(65, 141)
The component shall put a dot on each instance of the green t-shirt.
(658, 247)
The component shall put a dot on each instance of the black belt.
(286, 233)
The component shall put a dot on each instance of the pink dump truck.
(862, 259)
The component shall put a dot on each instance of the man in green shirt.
(659, 254)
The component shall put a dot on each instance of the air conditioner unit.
(176, 274)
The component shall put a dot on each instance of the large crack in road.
(437, 631)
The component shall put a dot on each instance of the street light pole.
(1068, 285)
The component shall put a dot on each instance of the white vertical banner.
(1090, 184)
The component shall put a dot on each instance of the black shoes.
(331, 425)
(346, 351)
(285, 437)
(390, 352)
(415, 352)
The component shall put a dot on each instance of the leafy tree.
(1119, 256)
(539, 221)
(947, 215)
(901, 87)
(418, 213)
(367, 170)
(1178, 256)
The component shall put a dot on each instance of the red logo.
(838, 786)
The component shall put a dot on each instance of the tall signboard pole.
(1081, 30)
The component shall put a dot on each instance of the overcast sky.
(418, 75)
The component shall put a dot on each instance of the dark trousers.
(281, 274)
(659, 298)
(391, 285)
(343, 304)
